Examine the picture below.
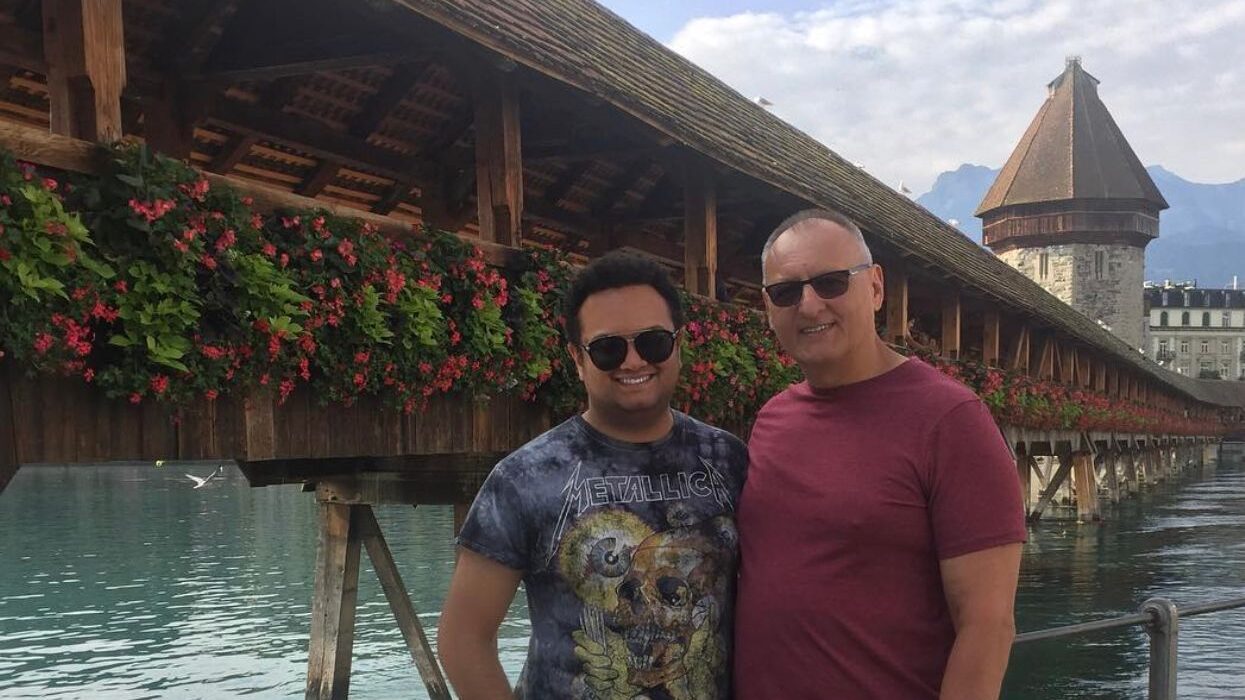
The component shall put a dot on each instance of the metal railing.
(1161, 620)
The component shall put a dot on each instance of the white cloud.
(911, 88)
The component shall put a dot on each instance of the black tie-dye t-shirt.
(628, 554)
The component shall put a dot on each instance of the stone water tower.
(1073, 208)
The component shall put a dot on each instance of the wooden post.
(1019, 354)
(400, 602)
(8, 429)
(896, 303)
(1086, 487)
(333, 604)
(1025, 470)
(1132, 483)
(700, 230)
(1067, 364)
(1111, 461)
(1100, 375)
(499, 157)
(460, 516)
(950, 340)
(990, 338)
(84, 44)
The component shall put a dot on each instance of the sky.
(912, 88)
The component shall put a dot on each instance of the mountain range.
(1201, 237)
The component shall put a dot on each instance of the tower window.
(1205, 318)
(1205, 347)
(1225, 346)
(1184, 318)
(1043, 266)
(1099, 264)
(1184, 346)
(1225, 319)
(1163, 318)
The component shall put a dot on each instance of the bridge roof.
(584, 45)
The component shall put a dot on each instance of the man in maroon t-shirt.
(881, 523)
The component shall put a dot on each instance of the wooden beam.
(1067, 363)
(307, 67)
(990, 338)
(22, 49)
(84, 44)
(333, 603)
(950, 340)
(1100, 375)
(8, 429)
(896, 299)
(309, 136)
(1065, 466)
(572, 153)
(191, 36)
(499, 161)
(168, 127)
(619, 186)
(233, 153)
(1083, 368)
(321, 177)
(700, 231)
(566, 181)
(1046, 360)
(1020, 350)
(395, 89)
(400, 603)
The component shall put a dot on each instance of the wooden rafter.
(193, 36)
(321, 177)
(309, 136)
(232, 154)
(567, 180)
(619, 186)
(306, 67)
(396, 87)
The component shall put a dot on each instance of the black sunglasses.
(653, 346)
(828, 285)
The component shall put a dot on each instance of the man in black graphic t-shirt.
(619, 522)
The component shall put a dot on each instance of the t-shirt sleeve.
(974, 499)
(496, 526)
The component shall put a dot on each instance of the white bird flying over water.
(200, 482)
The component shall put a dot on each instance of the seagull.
(903, 189)
(762, 101)
(200, 482)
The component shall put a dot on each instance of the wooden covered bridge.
(515, 124)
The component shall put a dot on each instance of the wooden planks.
(951, 313)
(896, 303)
(991, 337)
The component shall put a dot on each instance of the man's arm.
(981, 593)
(480, 593)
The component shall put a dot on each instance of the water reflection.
(123, 581)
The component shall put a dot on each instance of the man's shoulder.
(934, 389)
(705, 431)
(547, 452)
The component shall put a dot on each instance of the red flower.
(316, 255)
(208, 261)
(159, 384)
(5, 255)
(44, 342)
(121, 286)
(211, 394)
(136, 397)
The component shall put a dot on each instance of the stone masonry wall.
(1071, 275)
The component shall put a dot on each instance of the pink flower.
(270, 250)
(44, 342)
(136, 397)
(211, 394)
(88, 374)
(316, 255)
(208, 261)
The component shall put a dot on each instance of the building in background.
(1197, 332)
(1073, 208)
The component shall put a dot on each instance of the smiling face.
(826, 337)
(637, 390)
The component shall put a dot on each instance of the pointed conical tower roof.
(1072, 150)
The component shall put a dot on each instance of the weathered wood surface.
(333, 603)
(444, 452)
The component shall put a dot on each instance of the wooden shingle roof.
(1073, 149)
(584, 45)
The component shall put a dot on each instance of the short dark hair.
(821, 214)
(611, 271)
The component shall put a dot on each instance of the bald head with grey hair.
(799, 218)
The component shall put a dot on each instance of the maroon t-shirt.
(853, 496)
